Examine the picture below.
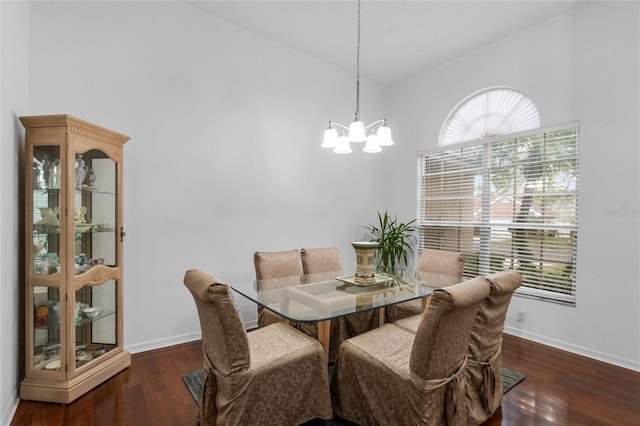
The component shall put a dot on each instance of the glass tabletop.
(297, 299)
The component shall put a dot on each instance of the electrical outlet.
(522, 316)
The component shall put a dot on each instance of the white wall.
(13, 96)
(224, 157)
(580, 66)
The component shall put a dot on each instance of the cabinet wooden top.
(74, 125)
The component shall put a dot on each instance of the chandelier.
(376, 135)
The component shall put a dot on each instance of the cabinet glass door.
(45, 262)
(96, 253)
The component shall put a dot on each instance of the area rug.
(193, 381)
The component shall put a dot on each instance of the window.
(506, 202)
(489, 112)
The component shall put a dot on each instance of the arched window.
(489, 112)
(507, 197)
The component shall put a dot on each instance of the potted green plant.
(395, 241)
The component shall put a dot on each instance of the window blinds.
(507, 202)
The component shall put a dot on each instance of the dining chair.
(440, 268)
(275, 269)
(274, 375)
(321, 264)
(390, 376)
(324, 264)
(483, 372)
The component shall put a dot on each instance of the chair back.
(284, 265)
(483, 375)
(486, 336)
(224, 339)
(441, 262)
(442, 339)
(321, 264)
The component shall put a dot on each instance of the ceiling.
(399, 39)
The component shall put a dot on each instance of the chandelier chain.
(356, 116)
(358, 46)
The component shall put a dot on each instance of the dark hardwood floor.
(560, 389)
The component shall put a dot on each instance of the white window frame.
(468, 220)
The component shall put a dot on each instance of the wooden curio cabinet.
(73, 255)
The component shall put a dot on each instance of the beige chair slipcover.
(323, 264)
(483, 372)
(272, 376)
(286, 266)
(484, 378)
(446, 267)
(390, 376)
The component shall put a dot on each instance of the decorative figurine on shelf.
(79, 215)
(46, 263)
(91, 178)
(41, 315)
(38, 174)
(81, 171)
(37, 248)
(53, 177)
(49, 216)
(81, 259)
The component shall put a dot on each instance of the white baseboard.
(175, 340)
(589, 353)
(162, 343)
(10, 411)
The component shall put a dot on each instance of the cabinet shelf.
(39, 229)
(84, 355)
(86, 320)
(57, 232)
(84, 189)
(80, 322)
(96, 191)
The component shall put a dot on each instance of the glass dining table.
(305, 298)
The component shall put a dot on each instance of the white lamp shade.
(330, 138)
(356, 132)
(384, 136)
(342, 147)
(372, 145)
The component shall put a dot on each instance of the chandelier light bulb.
(356, 132)
(384, 136)
(372, 144)
(330, 138)
(342, 146)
